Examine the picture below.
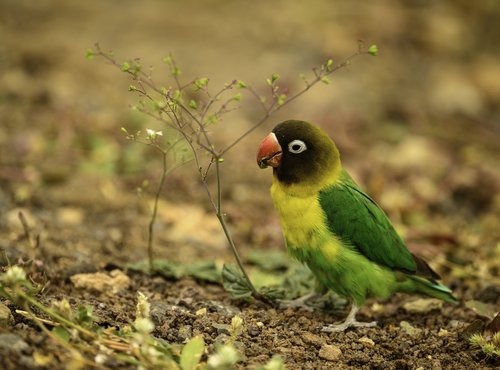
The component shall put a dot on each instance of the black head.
(299, 152)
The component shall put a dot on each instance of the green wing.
(360, 223)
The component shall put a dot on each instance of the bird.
(335, 228)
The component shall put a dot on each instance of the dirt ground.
(418, 127)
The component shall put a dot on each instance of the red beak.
(269, 153)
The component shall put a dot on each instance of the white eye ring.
(297, 146)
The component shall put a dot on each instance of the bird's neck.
(308, 188)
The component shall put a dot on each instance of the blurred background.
(418, 126)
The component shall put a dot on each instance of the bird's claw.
(300, 302)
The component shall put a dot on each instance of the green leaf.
(193, 104)
(61, 333)
(212, 119)
(175, 71)
(237, 97)
(373, 50)
(241, 85)
(125, 67)
(136, 69)
(235, 283)
(192, 352)
(325, 80)
(168, 60)
(177, 94)
(275, 77)
(85, 315)
(329, 65)
(200, 83)
(281, 99)
(90, 54)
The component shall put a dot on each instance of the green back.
(361, 224)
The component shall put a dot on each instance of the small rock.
(443, 332)
(111, 283)
(423, 305)
(223, 309)
(6, 318)
(201, 312)
(329, 352)
(303, 321)
(185, 332)
(222, 328)
(311, 338)
(253, 330)
(407, 328)
(158, 312)
(366, 341)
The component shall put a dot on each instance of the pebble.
(101, 282)
(366, 341)
(443, 332)
(407, 328)
(329, 352)
(423, 305)
(6, 318)
(253, 330)
(201, 312)
(185, 332)
(311, 338)
(222, 328)
(158, 312)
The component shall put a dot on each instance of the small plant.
(190, 111)
(489, 344)
(88, 345)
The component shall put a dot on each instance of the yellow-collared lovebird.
(333, 227)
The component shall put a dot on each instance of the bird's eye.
(297, 146)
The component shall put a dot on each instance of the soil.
(417, 128)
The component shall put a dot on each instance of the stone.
(6, 318)
(329, 352)
(366, 341)
(101, 282)
(423, 305)
(311, 338)
(407, 328)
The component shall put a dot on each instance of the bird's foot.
(349, 322)
(334, 328)
(300, 302)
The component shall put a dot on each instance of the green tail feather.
(435, 290)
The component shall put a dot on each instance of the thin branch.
(274, 108)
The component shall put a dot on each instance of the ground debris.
(101, 282)
(407, 328)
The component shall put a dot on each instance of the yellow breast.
(303, 221)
